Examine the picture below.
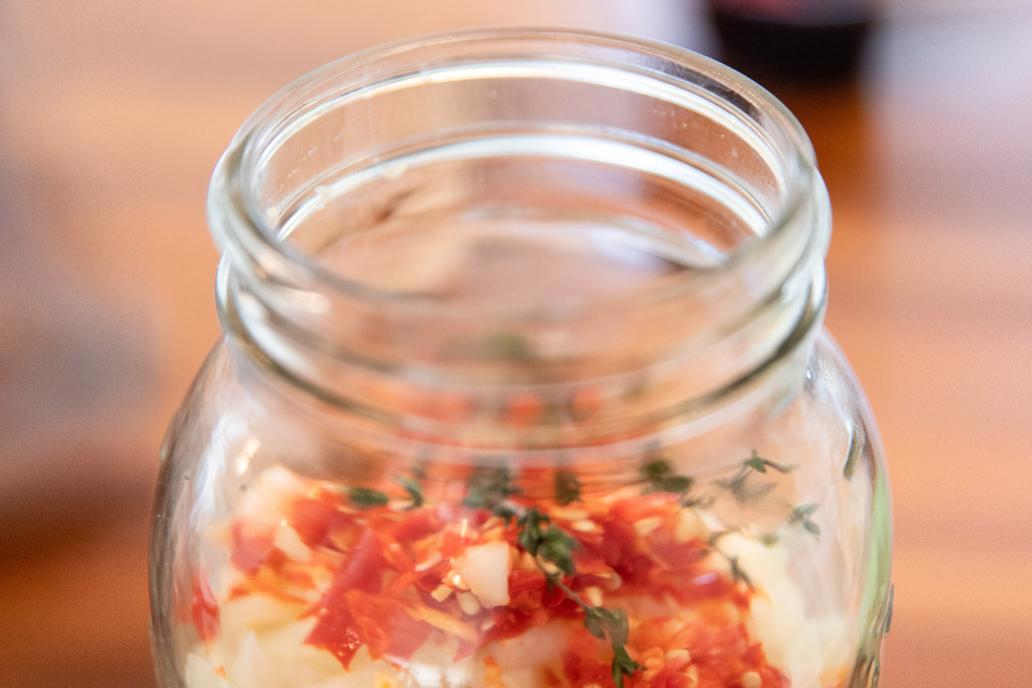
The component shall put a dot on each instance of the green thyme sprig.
(760, 464)
(601, 622)
(801, 516)
(414, 490)
(545, 541)
(659, 476)
(368, 498)
(745, 490)
(490, 488)
(552, 550)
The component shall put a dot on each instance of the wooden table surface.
(112, 114)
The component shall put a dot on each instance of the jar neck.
(645, 143)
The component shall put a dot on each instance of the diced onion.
(485, 568)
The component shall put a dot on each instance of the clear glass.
(523, 383)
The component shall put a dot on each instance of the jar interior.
(539, 183)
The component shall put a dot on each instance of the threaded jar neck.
(542, 237)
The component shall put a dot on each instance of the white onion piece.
(485, 568)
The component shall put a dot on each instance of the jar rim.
(243, 230)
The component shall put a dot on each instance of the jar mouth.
(251, 237)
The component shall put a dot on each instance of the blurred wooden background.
(113, 112)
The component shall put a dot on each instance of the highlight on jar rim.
(524, 383)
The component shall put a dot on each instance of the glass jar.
(523, 383)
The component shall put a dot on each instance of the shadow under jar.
(523, 383)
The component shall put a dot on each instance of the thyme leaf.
(567, 487)
(548, 542)
(760, 464)
(742, 489)
(801, 516)
(622, 665)
(490, 488)
(612, 623)
(603, 622)
(660, 477)
(414, 491)
(552, 550)
(367, 498)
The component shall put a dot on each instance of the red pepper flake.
(403, 582)
(336, 633)
(552, 679)
(619, 549)
(377, 590)
(429, 580)
(379, 622)
(313, 519)
(415, 525)
(384, 625)
(451, 544)
(532, 602)
(586, 660)
(337, 630)
(363, 569)
(669, 677)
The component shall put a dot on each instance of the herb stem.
(614, 621)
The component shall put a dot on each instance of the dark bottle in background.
(793, 39)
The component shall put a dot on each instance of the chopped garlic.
(583, 526)
(689, 527)
(485, 569)
(468, 603)
(647, 525)
(441, 593)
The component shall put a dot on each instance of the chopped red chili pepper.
(391, 578)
